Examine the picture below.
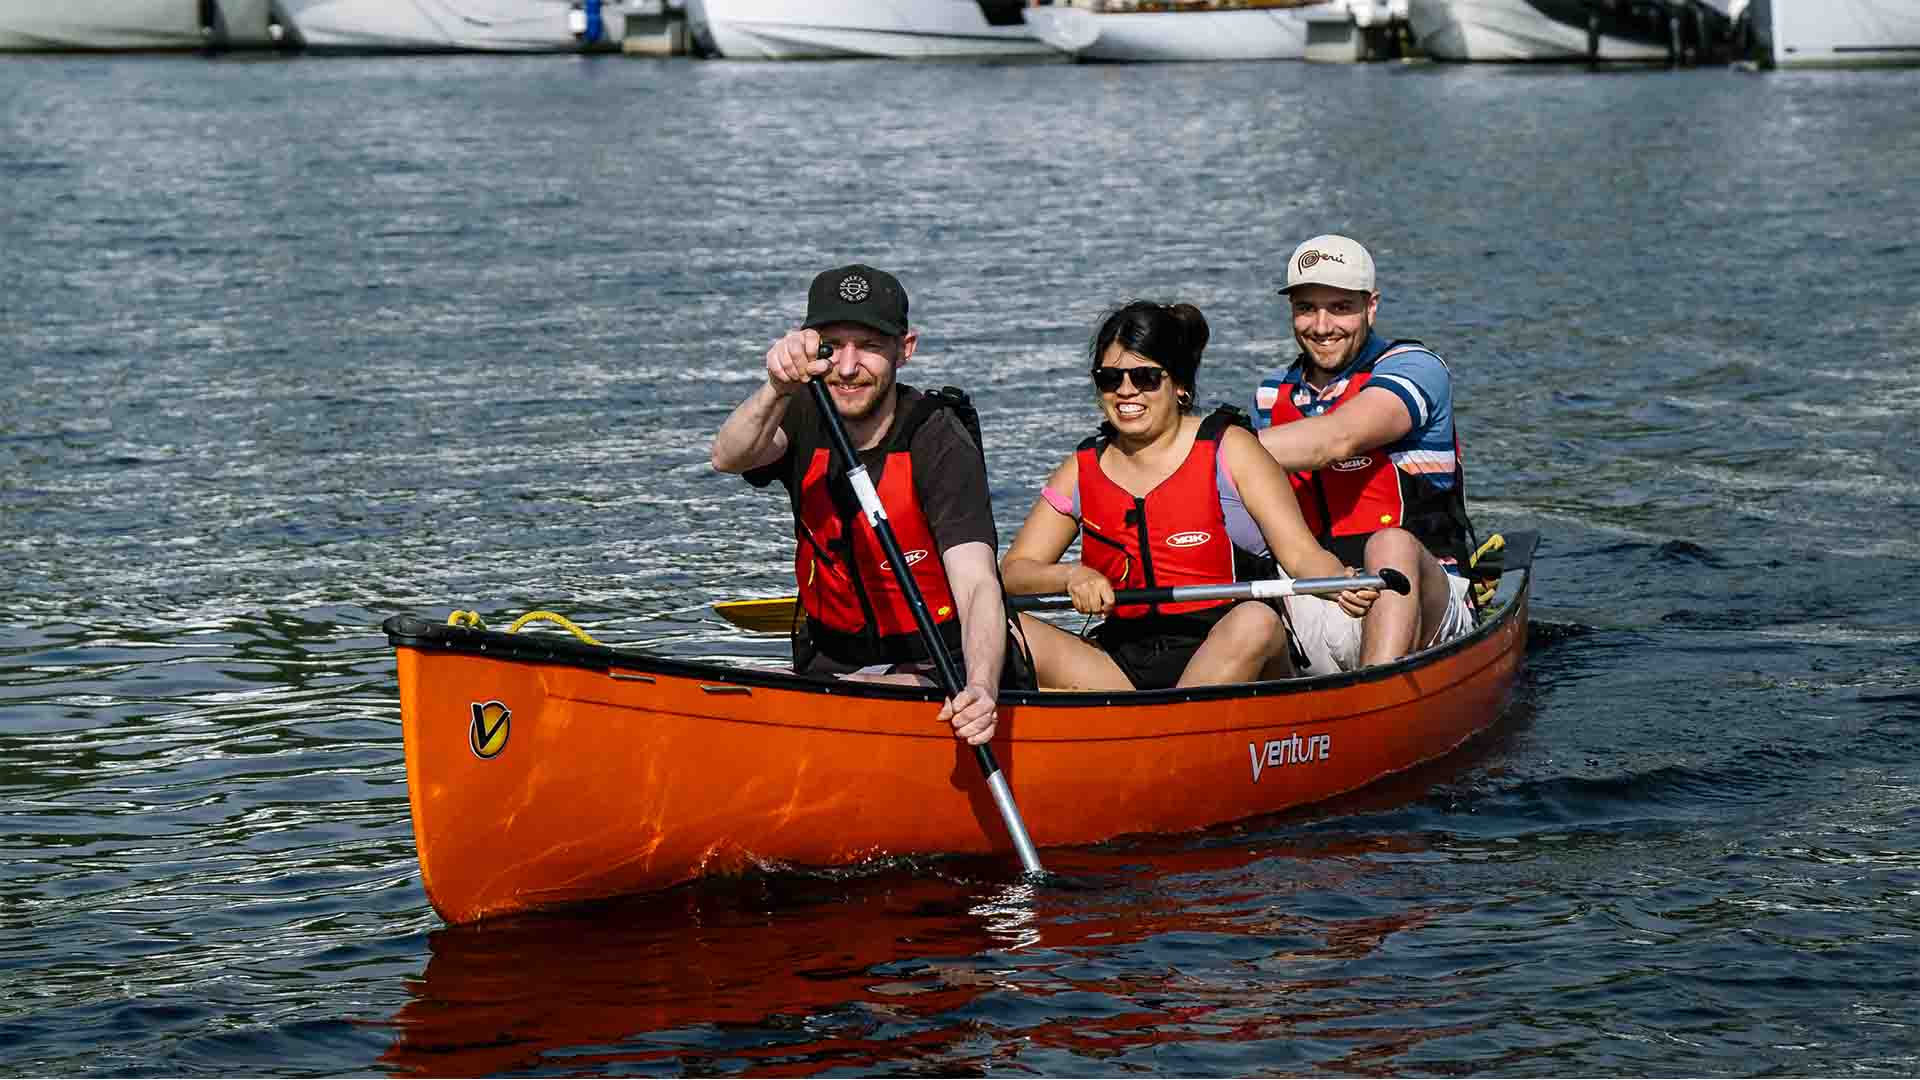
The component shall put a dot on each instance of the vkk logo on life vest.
(913, 557)
(1188, 539)
(1352, 464)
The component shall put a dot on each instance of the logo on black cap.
(854, 288)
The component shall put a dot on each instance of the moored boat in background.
(135, 25)
(455, 25)
(886, 29)
(543, 771)
(1835, 33)
(1507, 31)
(1179, 30)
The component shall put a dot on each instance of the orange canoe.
(544, 770)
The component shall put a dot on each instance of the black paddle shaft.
(950, 679)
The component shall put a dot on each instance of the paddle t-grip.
(1395, 580)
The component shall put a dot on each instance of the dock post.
(656, 28)
(1335, 39)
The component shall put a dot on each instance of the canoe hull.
(608, 772)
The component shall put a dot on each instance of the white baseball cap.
(1331, 260)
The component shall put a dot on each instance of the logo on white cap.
(1310, 258)
(854, 288)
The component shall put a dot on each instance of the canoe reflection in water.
(1235, 935)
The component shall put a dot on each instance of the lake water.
(293, 345)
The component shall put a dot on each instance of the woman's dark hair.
(1171, 335)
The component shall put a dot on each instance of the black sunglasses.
(1145, 379)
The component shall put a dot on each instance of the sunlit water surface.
(296, 345)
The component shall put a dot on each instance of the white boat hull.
(1839, 33)
(1198, 34)
(1509, 31)
(447, 25)
(823, 29)
(70, 25)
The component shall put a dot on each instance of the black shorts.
(808, 659)
(1153, 651)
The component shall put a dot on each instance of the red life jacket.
(1177, 535)
(1350, 500)
(856, 611)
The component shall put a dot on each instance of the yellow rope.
(1496, 542)
(1484, 588)
(551, 617)
(472, 619)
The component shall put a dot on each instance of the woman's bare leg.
(1063, 661)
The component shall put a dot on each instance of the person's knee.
(1396, 548)
(1249, 628)
(1401, 550)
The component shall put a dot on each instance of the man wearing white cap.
(1365, 428)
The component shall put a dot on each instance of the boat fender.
(585, 20)
(1003, 12)
(280, 29)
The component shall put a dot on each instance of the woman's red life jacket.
(1177, 535)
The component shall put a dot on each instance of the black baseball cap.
(857, 294)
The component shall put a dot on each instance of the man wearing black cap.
(931, 477)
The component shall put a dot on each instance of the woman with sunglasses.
(1161, 497)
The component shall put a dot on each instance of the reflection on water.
(1121, 949)
(807, 973)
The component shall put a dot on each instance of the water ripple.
(463, 341)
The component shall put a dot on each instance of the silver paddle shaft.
(1264, 589)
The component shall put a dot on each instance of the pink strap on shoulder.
(1056, 500)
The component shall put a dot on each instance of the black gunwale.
(407, 631)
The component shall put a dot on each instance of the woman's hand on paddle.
(1356, 602)
(795, 359)
(1091, 591)
(973, 712)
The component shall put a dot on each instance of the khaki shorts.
(1331, 638)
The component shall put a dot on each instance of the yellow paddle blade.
(772, 615)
